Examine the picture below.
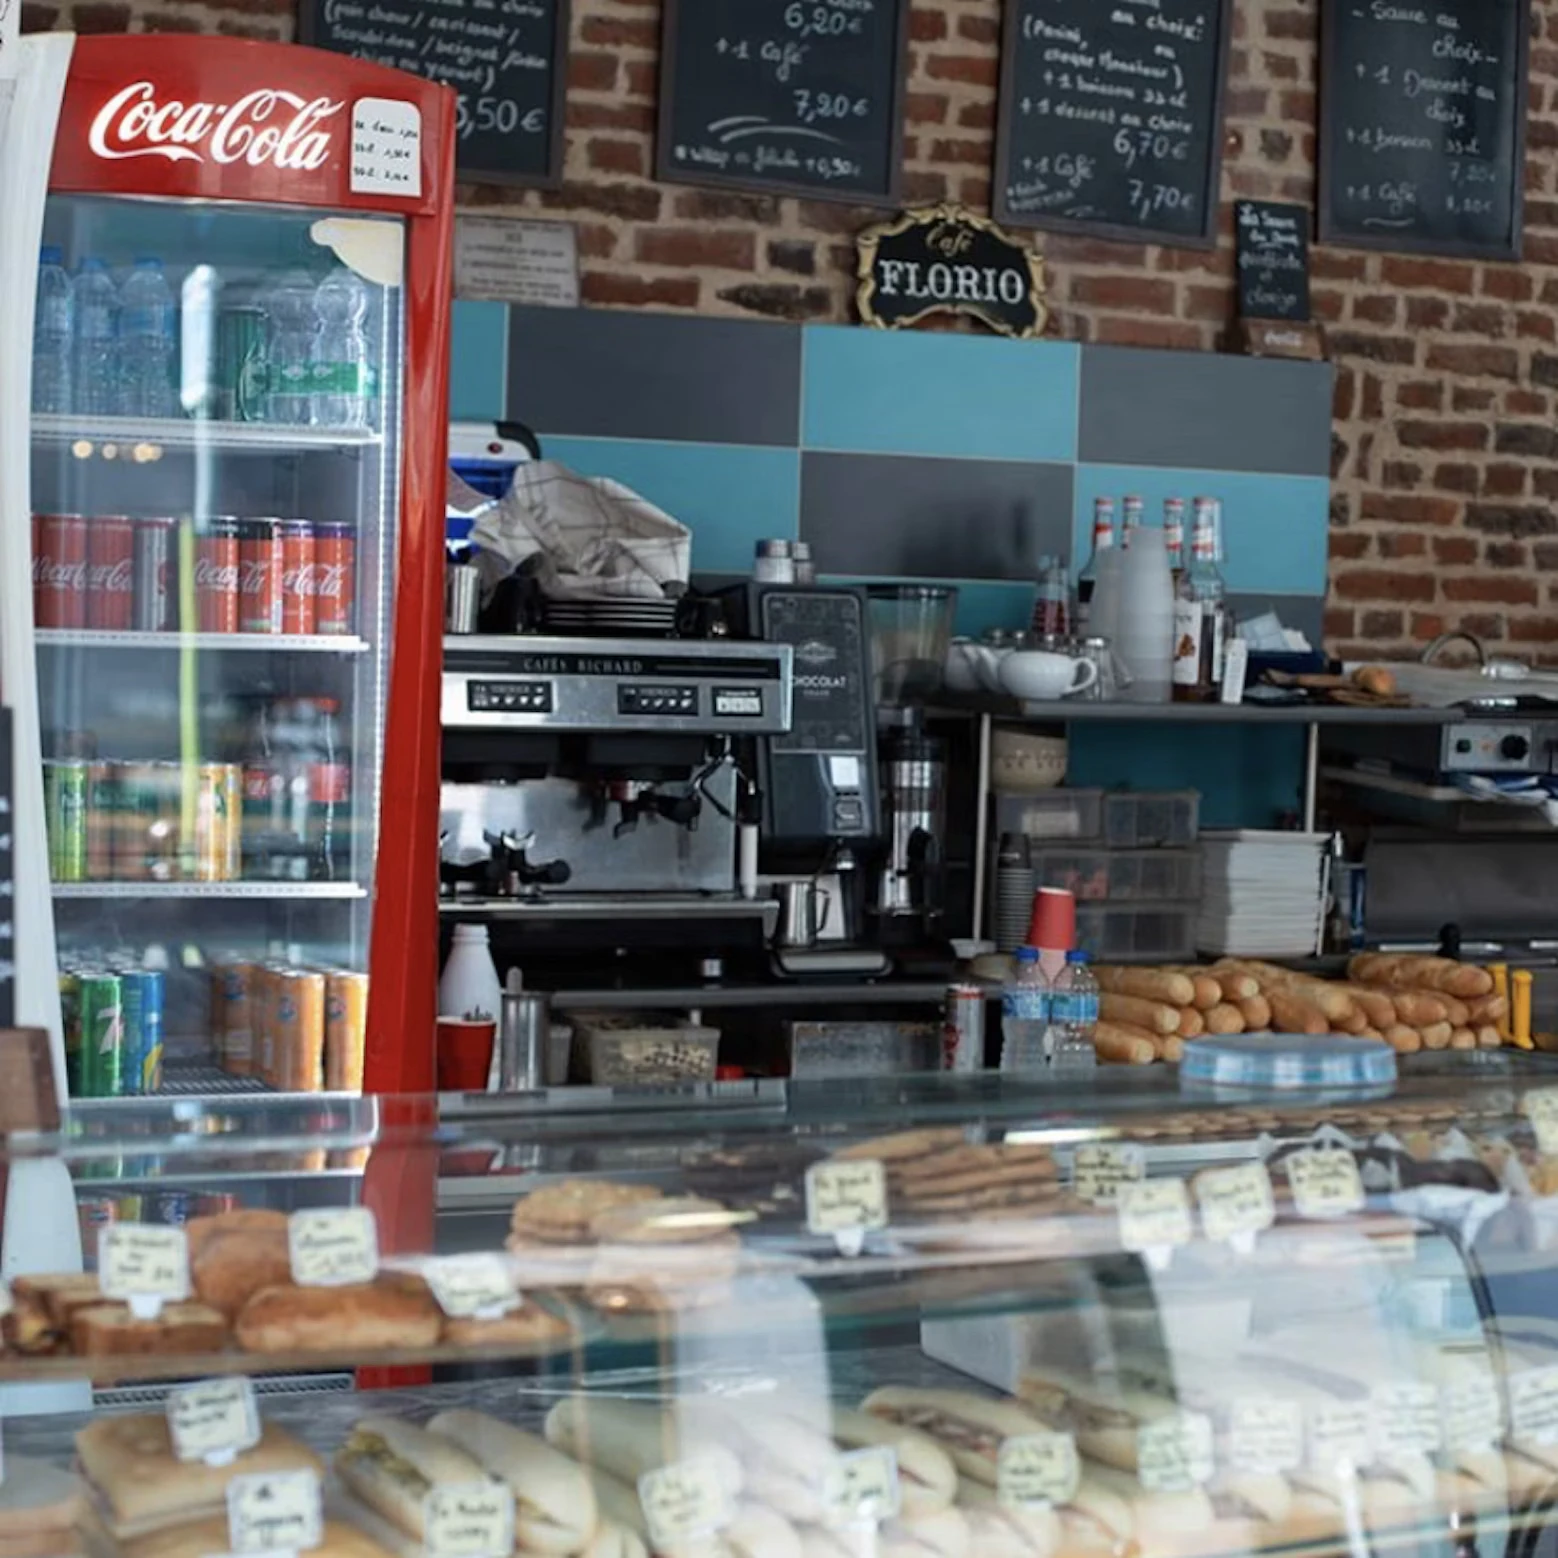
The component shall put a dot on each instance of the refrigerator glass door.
(215, 475)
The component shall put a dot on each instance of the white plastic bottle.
(341, 372)
(148, 343)
(96, 359)
(1024, 1015)
(53, 335)
(469, 986)
(289, 344)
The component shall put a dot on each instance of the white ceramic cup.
(1037, 676)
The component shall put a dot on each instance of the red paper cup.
(1054, 923)
(465, 1054)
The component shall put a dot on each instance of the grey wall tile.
(1205, 410)
(900, 515)
(615, 373)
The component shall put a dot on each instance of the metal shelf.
(614, 906)
(265, 643)
(180, 433)
(1083, 712)
(711, 997)
(237, 890)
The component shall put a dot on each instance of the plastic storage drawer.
(1148, 819)
(1131, 874)
(1054, 814)
(1138, 932)
(620, 1049)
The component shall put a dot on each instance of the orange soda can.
(346, 1030)
(299, 1023)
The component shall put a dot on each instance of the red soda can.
(216, 575)
(259, 576)
(335, 575)
(59, 571)
(111, 573)
(299, 603)
(154, 600)
(963, 1029)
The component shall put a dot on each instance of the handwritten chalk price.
(1099, 1168)
(1175, 1452)
(471, 1520)
(847, 1199)
(277, 1512)
(332, 1249)
(214, 1421)
(1037, 1471)
(1406, 1421)
(472, 1287)
(1540, 1106)
(1265, 1436)
(145, 1266)
(862, 1488)
(1533, 1406)
(1325, 1182)
(683, 1502)
(1154, 1216)
(1236, 1203)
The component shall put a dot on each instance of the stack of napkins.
(1262, 893)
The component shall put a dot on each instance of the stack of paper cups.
(1145, 629)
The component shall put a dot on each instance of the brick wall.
(1446, 450)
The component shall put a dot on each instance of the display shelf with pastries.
(1039, 1322)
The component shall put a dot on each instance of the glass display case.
(942, 1317)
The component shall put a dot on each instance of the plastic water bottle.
(1073, 1016)
(53, 332)
(1024, 1015)
(148, 343)
(289, 340)
(97, 351)
(341, 372)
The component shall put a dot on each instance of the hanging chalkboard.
(1422, 132)
(796, 96)
(1273, 250)
(508, 61)
(1111, 117)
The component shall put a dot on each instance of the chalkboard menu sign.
(507, 59)
(796, 96)
(1111, 117)
(1273, 249)
(1422, 136)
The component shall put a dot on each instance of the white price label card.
(1533, 1405)
(275, 1512)
(472, 1287)
(1037, 1470)
(214, 1421)
(1265, 1436)
(469, 1520)
(684, 1502)
(144, 1265)
(1099, 1168)
(1540, 1107)
(1325, 1182)
(1406, 1421)
(1174, 1453)
(846, 1199)
(1154, 1217)
(386, 147)
(1473, 1414)
(1339, 1436)
(1236, 1203)
(332, 1249)
(862, 1488)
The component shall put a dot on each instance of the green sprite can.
(65, 819)
(101, 1000)
(70, 1025)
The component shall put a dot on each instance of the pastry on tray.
(362, 1317)
(563, 1213)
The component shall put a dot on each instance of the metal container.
(524, 1033)
(803, 914)
(773, 562)
(462, 596)
(805, 568)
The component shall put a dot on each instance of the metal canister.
(101, 1001)
(217, 855)
(65, 818)
(102, 819)
(462, 597)
(773, 562)
(963, 1029)
(524, 1028)
(142, 992)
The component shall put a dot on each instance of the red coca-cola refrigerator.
(222, 458)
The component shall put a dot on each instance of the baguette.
(625, 1439)
(1488, 1037)
(1423, 973)
(1354, 1022)
(1417, 1009)
(927, 1478)
(1456, 1011)
(1402, 1039)
(1332, 1000)
(1124, 1046)
(1238, 983)
(393, 1466)
(1256, 1011)
(1192, 1023)
(1293, 1014)
(1372, 1033)
(359, 1318)
(1227, 1018)
(1209, 989)
(1150, 984)
(1463, 1038)
(1375, 1004)
(1154, 1016)
(1436, 1035)
(1488, 1008)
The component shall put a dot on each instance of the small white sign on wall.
(508, 261)
(386, 147)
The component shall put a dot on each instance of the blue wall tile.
(478, 361)
(1275, 528)
(913, 392)
(728, 495)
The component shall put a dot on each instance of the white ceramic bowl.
(1023, 762)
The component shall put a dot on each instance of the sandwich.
(1156, 1518)
(999, 1530)
(393, 1466)
(945, 1534)
(625, 1439)
(784, 1442)
(754, 1531)
(139, 1486)
(205, 1537)
(554, 1504)
(969, 1427)
(927, 1479)
(40, 1506)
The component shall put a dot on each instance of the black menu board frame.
(1009, 121)
(668, 172)
(312, 31)
(1399, 241)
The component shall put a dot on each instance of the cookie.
(904, 1145)
(974, 1182)
(1037, 1197)
(669, 1220)
(1018, 1158)
(562, 1213)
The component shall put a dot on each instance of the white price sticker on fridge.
(386, 147)
(1533, 1406)
(861, 1487)
(469, 1520)
(332, 1249)
(1034, 1471)
(1325, 1182)
(1406, 1421)
(1265, 1436)
(1540, 1106)
(214, 1421)
(1236, 1203)
(1154, 1215)
(144, 1265)
(275, 1512)
(1099, 1168)
(472, 1287)
(687, 1501)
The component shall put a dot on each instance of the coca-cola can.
(216, 575)
(259, 576)
(111, 573)
(335, 578)
(154, 575)
(299, 603)
(963, 1029)
(59, 571)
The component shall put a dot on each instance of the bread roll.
(625, 1439)
(232, 1265)
(392, 1467)
(1171, 1048)
(1148, 983)
(1225, 1018)
(1418, 1009)
(359, 1318)
(1256, 1012)
(1292, 1014)
(1376, 1005)
(1238, 983)
(1402, 1039)
(1154, 1016)
(1436, 1035)
(1192, 1023)
(1124, 1046)
(927, 1478)
(1463, 1038)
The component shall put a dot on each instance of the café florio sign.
(945, 260)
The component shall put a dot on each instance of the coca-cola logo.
(116, 578)
(255, 577)
(301, 580)
(262, 126)
(330, 581)
(215, 576)
(49, 574)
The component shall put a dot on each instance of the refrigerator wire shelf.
(179, 890)
(81, 432)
